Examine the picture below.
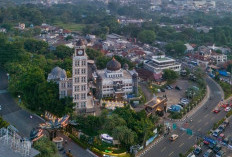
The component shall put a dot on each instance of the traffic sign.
(174, 126)
(189, 132)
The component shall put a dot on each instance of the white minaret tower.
(80, 76)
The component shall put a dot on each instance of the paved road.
(12, 113)
(203, 121)
(20, 118)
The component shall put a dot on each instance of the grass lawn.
(71, 26)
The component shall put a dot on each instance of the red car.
(206, 142)
(225, 105)
(216, 110)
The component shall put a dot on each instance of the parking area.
(220, 144)
(174, 95)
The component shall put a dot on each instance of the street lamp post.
(8, 76)
(19, 99)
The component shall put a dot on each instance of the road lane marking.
(206, 115)
(163, 149)
(199, 129)
(170, 153)
(181, 145)
(190, 137)
(206, 123)
(182, 134)
(199, 121)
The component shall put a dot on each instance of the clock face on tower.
(79, 52)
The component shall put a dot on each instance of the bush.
(216, 125)
(229, 114)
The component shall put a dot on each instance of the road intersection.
(203, 120)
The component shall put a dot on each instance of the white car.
(227, 109)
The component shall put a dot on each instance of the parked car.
(217, 148)
(197, 150)
(208, 153)
(162, 90)
(222, 127)
(167, 87)
(212, 145)
(216, 133)
(170, 86)
(173, 137)
(224, 105)
(227, 109)
(208, 140)
(220, 154)
(191, 155)
(221, 137)
(178, 88)
(225, 141)
(226, 122)
(216, 110)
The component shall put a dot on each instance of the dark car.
(212, 145)
(162, 90)
(197, 150)
(222, 127)
(226, 122)
(220, 154)
(217, 148)
(178, 88)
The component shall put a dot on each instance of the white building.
(76, 86)
(219, 58)
(115, 81)
(159, 63)
(80, 76)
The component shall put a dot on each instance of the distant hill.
(6, 3)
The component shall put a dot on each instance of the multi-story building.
(159, 63)
(80, 76)
(76, 86)
(115, 81)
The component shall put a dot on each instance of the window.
(78, 71)
(76, 79)
(83, 96)
(83, 63)
(77, 88)
(75, 71)
(77, 105)
(62, 94)
(63, 85)
(83, 71)
(77, 96)
(83, 79)
(83, 87)
(83, 104)
(69, 84)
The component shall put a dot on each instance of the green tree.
(125, 135)
(46, 148)
(170, 75)
(147, 36)
(63, 51)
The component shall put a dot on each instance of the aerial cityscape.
(115, 78)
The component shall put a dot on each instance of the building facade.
(115, 81)
(76, 86)
(80, 76)
(159, 63)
